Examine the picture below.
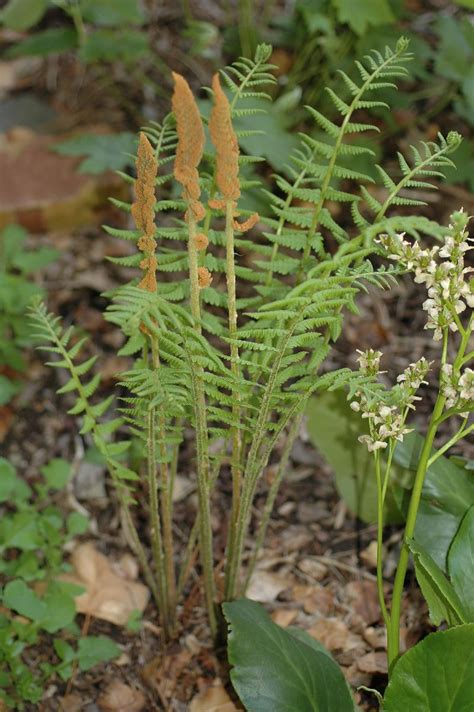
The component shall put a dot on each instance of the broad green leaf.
(465, 3)
(20, 15)
(448, 492)
(13, 238)
(103, 152)
(455, 52)
(23, 600)
(334, 429)
(7, 479)
(442, 599)
(41, 44)
(461, 563)
(111, 45)
(56, 473)
(273, 671)
(368, 12)
(437, 675)
(112, 13)
(35, 259)
(96, 649)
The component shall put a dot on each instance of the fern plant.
(229, 325)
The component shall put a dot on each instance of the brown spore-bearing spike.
(143, 210)
(227, 147)
(204, 277)
(201, 241)
(225, 141)
(190, 144)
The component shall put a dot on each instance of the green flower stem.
(380, 505)
(235, 370)
(462, 432)
(203, 473)
(393, 632)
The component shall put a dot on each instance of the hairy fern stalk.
(235, 313)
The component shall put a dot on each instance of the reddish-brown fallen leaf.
(319, 600)
(119, 697)
(43, 191)
(266, 586)
(334, 634)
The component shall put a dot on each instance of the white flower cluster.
(369, 361)
(387, 422)
(449, 293)
(458, 388)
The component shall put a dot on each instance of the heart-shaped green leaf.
(461, 563)
(448, 492)
(443, 602)
(437, 675)
(275, 671)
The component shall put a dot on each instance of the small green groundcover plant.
(37, 610)
(17, 265)
(235, 312)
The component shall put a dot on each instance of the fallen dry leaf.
(373, 662)
(119, 697)
(369, 555)
(334, 634)
(70, 703)
(108, 595)
(320, 600)
(376, 637)
(213, 699)
(363, 599)
(264, 586)
(313, 568)
(284, 616)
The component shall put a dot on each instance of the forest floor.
(317, 569)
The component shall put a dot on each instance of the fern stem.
(166, 504)
(156, 537)
(199, 404)
(270, 501)
(234, 355)
(251, 474)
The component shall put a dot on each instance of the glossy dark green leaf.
(461, 563)
(448, 492)
(437, 675)
(274, 671)
(443, 602)
(41, 44)
(20, 15)
(112, 13)
(334, 428)
(102, 152)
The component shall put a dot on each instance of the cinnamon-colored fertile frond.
(201, 241)
(190, 144)
(143, 210)
(227, 147)
(204, 277)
